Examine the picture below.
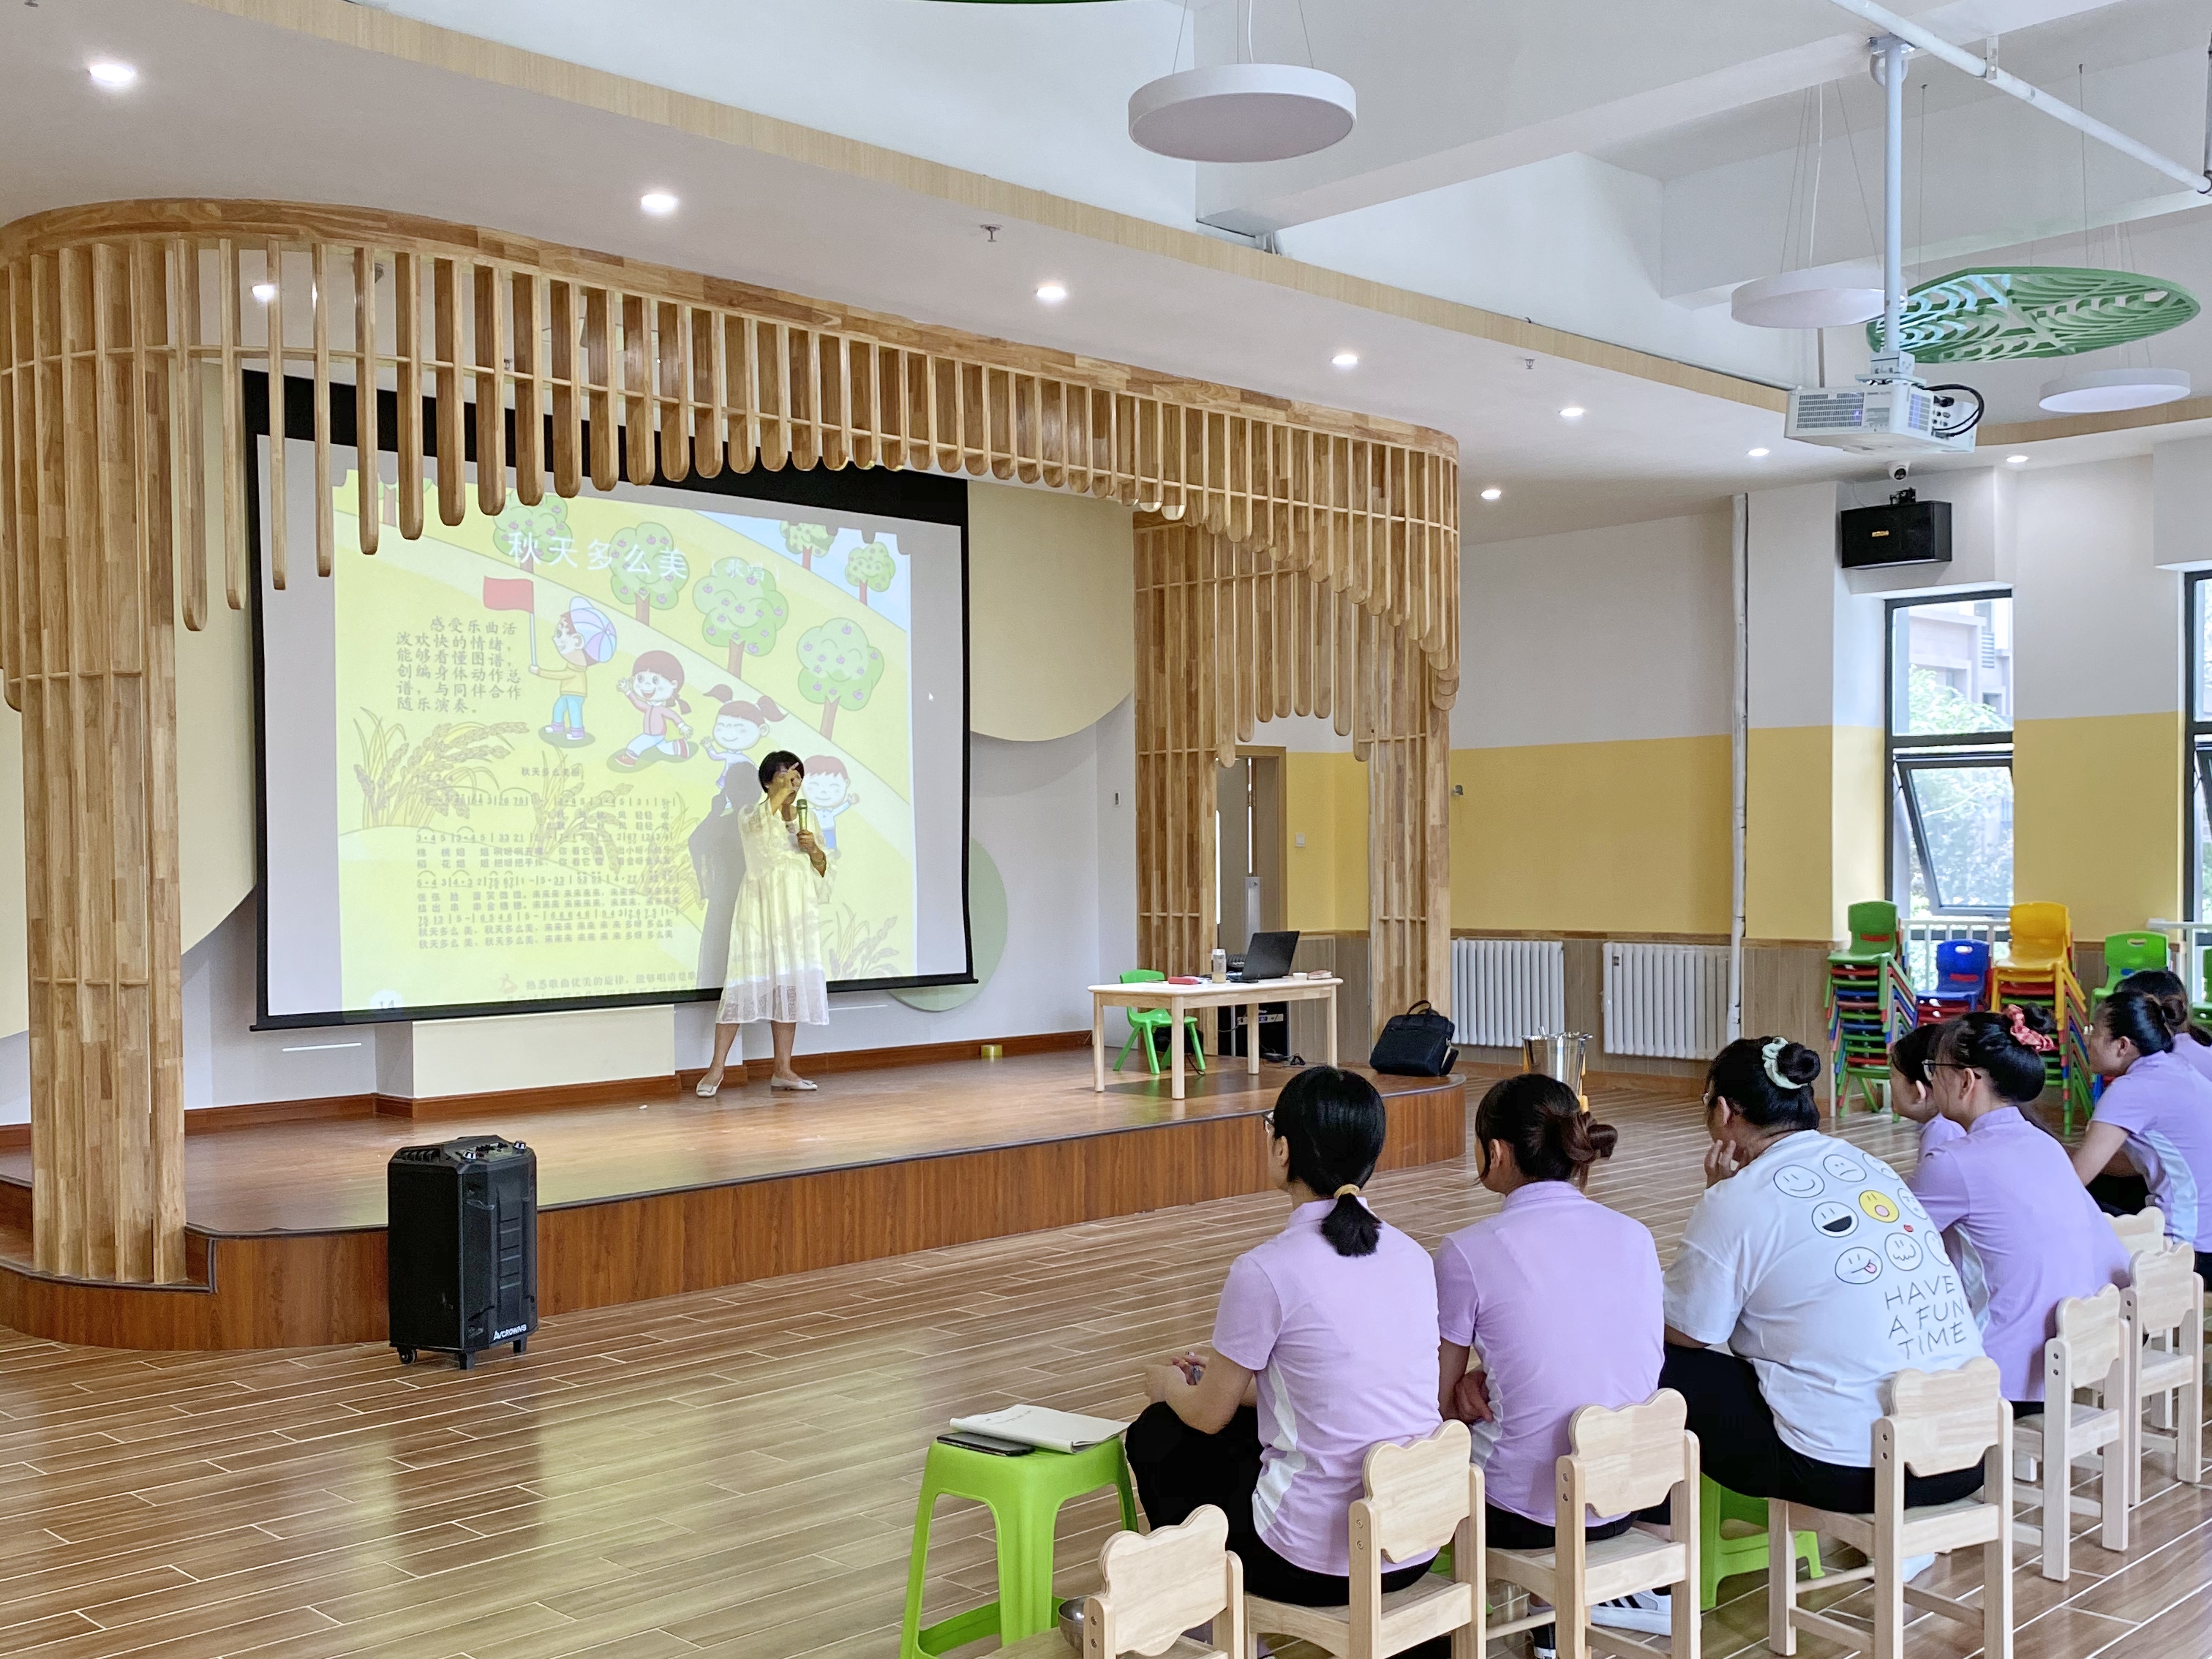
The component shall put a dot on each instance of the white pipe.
(1935, 46)
(1739, 757)
(1893, 49)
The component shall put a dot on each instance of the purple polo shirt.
(1562, 1296)
(2165, 1105)
(1938, 1131)
(1344, 1350)
(2198, 1054)
(2010, 1191)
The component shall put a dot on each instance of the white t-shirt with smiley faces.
(1816, 1263)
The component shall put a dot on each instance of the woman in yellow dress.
(775, 971)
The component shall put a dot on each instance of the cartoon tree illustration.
(644, 570)
(869, 565)
(531, 535)
(808, 542)
(837, 668)
(742, 610)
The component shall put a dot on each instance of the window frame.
(1930, 752)
(2196, 740)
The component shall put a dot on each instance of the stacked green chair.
(1150, 1023)
(2202, 1012)
(1870, 1002)
(2126, 954)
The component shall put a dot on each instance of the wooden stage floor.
(733, 1473)
(649, 1198)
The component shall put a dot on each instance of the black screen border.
(878, 491)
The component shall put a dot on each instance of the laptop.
(1268, 957)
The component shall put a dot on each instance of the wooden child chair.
(2165, 1304)
(1419, 1498)
(1623, 1460)
(1937, 1422)
(1153, 1587)
(2139, 1231)
(2090, 1352)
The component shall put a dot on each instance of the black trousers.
(2120, 1195)
(1177, 1470)
(1740, 1447)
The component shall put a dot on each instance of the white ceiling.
(228, 106)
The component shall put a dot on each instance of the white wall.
(1596, 635)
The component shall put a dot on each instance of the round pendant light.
(2099, 391)
(1242, 113)
(1809, 298)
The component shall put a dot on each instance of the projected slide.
(541, 726)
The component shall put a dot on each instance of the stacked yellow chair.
(2038, 971)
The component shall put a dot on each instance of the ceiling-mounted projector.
(1887, 413)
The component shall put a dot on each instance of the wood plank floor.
(734, 1471)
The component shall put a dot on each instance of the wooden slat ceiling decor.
(127, 327)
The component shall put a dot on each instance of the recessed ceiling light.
(114, 76)
(1572, 412)
(1761, 451)
(1346, 360)
(657, 201)
(1492, 493)
(264, 292)
(1052, 292)
(2016, 460)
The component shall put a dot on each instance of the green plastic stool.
(1721, 1556)
(1025, 1495)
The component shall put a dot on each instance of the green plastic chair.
(1873, 923)
(2126, 954)
(1150, 1023)
(1025, 1495)
(1722, 1554)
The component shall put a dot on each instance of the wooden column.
(87, 611)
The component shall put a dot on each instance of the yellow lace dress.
(776, 970)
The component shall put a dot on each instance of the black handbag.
(1416, 1043)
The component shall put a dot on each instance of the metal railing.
(2196, 938)
(1923, 933)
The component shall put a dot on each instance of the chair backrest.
(1419, 1492)
(2041, 933)
(1873, 923)
(1939, 1421)
(2139, 1231)
(1143, 976)
(1631, 1457)
(2162, 1289)
(1963, 959)
(1158, 1585)
(2133, 953)
(2094, 1329)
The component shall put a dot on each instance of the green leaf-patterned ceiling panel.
(2039, 311)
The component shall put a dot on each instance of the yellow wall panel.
(1789, 833)
(1325, 883)
(1628, 837)
(2097, 818)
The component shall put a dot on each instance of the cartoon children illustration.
(583, 637)
(828, 792)
(655, 689)
(738, 727)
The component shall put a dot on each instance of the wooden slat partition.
(1295, 557)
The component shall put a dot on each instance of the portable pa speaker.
(462, 1250)
(1906, 531)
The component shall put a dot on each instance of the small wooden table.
(1180, 999)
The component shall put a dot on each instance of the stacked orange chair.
(2038, 971)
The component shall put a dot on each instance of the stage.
(651, 1197)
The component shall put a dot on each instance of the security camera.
(1900, 469)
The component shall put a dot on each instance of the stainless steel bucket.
(1559, 1054)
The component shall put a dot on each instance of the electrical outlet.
(1297, 841)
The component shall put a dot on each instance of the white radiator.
(1668, 1001)
(1504, 989)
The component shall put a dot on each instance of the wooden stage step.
(643, 1200)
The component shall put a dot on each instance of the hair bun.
(2035, 1017)
(1798, 1063)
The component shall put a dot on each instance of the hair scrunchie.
(1770, 1054)
(2023, 1034)
(1350, 1189)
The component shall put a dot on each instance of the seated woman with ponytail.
(2190, 1040)
(2157, 1109)
(1558, 1297)
(2005, 1195)
(1814, 1263)
(1325, 1344)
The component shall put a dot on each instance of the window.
(1950, 755)
(2196, 785)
